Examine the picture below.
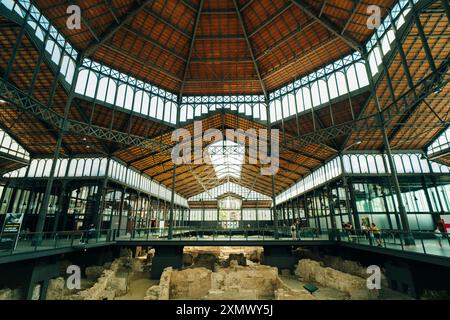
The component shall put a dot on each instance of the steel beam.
(250, 48)
(191, 49)
(329, 25)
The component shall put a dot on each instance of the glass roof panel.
(227, 158)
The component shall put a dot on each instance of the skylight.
(227, 158)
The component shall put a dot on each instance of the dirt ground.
(138, 287)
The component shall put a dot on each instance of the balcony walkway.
(392, 242)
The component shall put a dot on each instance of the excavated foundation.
(219, 273)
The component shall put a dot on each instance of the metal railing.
(205, 233)
(26, 242)
(422, 242)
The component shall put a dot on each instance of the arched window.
(307, 98)
(153, 106)
(145, 103)
(190, 112)
(72, 168)
(371, 164)
(341, 83)
(102, 89)
(315, 94)
(65, 64)
(256, 113)
(248, 110)
(8, 3)
(263, 112)
(121, 94)
(111, 91)
(398, 163)
(292, 104)
(39, 32)
(273, 114)
(198, 111)
(300, 103)
(355, 164)
(415, 160)
(82, 81)
(407, 163)
(160, 109)
(137, 105)
(49, 46)
(40, 168)
(285, 106)
(347, 164)
(103, 165)
(332, 85)
(380, 164)
(385, 46)
(80, 168)
(87, 168)
(362, 75)
(70, 71)
(323, 89)
(47, 168)
(242, 108)
(56, 55)
(183, 113)
(173, 113)
(129, 98)
(352, 78)
(92, 85)
(375, 60)
(400, 20)
(390, 35)
(278, 110)
(95, 167)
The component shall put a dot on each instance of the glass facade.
(229, 187)
(441, 144)
(364, 190)
(95, 168)
(9, 146)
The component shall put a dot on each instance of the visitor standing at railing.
(348, 229)
(438, 235)
(294, 231)
(441, 231)
(376, 234)
(298, 228)
(365, 230)
(89, 233)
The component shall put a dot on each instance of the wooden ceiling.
(219, 47)
(422, 124)
(412, 130)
